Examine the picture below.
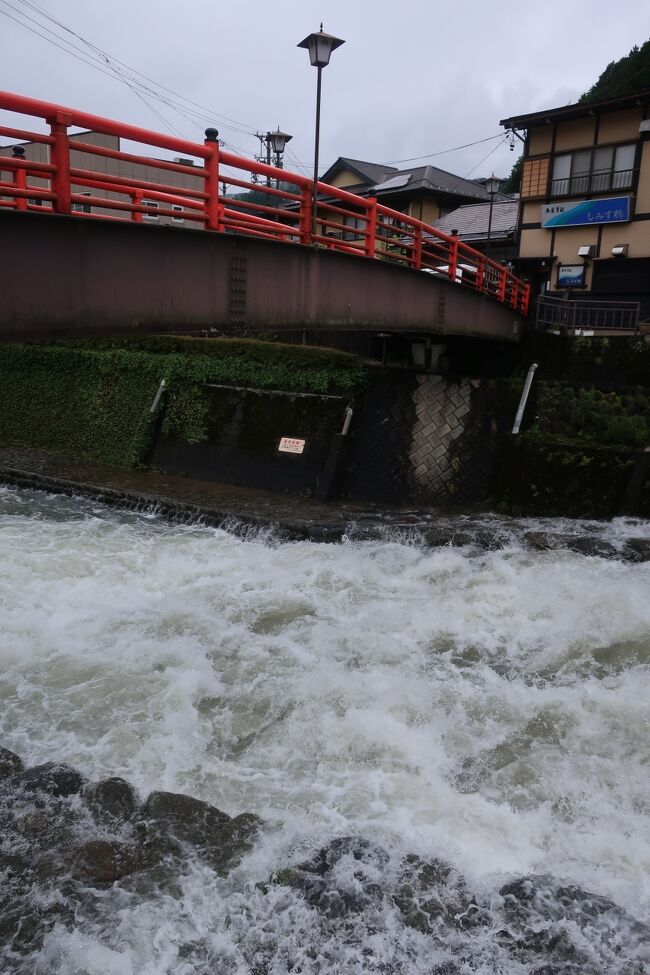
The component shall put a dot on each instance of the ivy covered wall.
(91, 399)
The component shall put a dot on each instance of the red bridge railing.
(211, 189)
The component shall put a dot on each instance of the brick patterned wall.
(427, 439)
(442, 411)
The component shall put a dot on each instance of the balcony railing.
(595, 183)
(587, 315)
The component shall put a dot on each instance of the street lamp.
(492, 186)
(272, 142)
(278, 141)
(320, 47)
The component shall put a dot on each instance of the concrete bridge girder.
(64, 275)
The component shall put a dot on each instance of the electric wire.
(100, 60)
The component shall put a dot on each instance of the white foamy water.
(488, 708)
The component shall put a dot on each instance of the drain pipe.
(524, 398)
(158, 396)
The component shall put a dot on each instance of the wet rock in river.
(638, 549)
(343, 878)
(53, 779)
(542, 541)
(10, 764)
(218, 837)
(113, 798)
(545, 917)
(104, 861)
(583, 544)
(432, 895)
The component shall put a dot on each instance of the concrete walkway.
(185, 499)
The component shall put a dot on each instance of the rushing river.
(490, 709)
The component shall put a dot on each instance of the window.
(81, 207)
(154, 205)
(177, 207)
(534, 177)
(597, 170)
(355, 224)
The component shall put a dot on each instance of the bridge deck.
(305, 273)
(67, 276)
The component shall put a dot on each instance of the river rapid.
(489, 709)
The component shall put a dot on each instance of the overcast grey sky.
(413, 77)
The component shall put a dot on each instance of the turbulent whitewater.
(486, 709)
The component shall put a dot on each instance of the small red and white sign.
(290, 445)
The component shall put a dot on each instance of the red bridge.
(83, 252)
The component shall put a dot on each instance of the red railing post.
(480, 274)
(20, 179)
(136, 199)
(525, 300)
(371, 226)
(416, 255)
(453, 258)
(212, 204)
(503, 277)
(60, 155)
(306, 212)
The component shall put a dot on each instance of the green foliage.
(549, 476)
(91, 400)
(513, 181)
(623, 77)
(593, 416)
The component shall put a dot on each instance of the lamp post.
(320, 47)
(492, 186)
(272, 142)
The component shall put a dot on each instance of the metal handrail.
(202, 195)
(587, 313)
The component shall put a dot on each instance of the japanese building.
(584, 215)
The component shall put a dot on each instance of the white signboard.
(290, 445)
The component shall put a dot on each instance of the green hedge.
(593, 416)
(548, 477)
(91, 400)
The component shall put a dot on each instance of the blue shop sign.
(583, 213)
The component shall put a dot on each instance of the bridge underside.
(72, 276)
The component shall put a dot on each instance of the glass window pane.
(581, 162)
(603, 159)
(561, 167)
(624, 158)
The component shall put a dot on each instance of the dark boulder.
(52, 779)
(104, 861)
(326, 533)
(356, 848)
(10, 764)
(432, 895)
(593, 546)
(341, 879)
(638, 549)
(546, 917)
(542, 541)
(216, 836)
(583, 544)
(112, 798)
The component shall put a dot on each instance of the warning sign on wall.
(290, 445)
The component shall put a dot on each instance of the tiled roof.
(367, 171)
(432, 178)
(471, 222)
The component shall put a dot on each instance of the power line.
(223, 119)
(100, 60)
(442, 152)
